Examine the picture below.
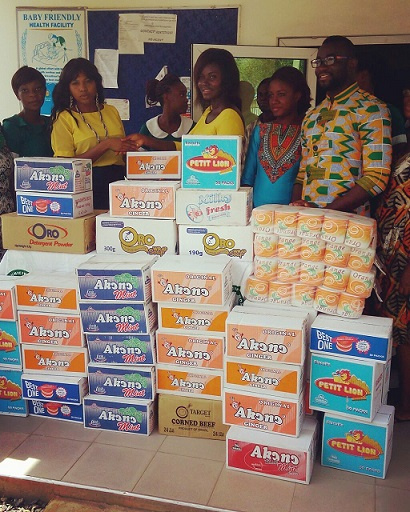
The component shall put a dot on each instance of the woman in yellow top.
(84, 127)
(216, 80)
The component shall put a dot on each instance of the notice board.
(208, 26)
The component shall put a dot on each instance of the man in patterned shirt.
(346, 139)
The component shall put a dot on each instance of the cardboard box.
(55, 410)
(233, 241)
(121, 348)
(199, 382)
(148, 165)
(278, 310)
(50, 328)
(179, 279)
(279, 379)
(211, 162)
(273, 455)
(198, 318)
(367, 337)
(59, 175)
(191, 417)
(42, 204)
(112, 317)
(154, 199)
(263, 412)
(214, 207)
(345, 386)
(123, 235)
(267, 338)
(69, 361)
(55, 292)
(121, 278)
(122, 381)
(9, 344)
(56, 388)
(74, 236)
(190, 350)
(11, 395)
(119, 414)
(352, 445)
(8, 298)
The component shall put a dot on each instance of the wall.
(271, 21)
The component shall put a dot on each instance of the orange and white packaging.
(181, 280)
(265, 245)
(361, 283)
(286, 220)
(276, 378)
(190, 350)
(289, 247)
(350, 306)
(326, 300)
(70, 361)
(334, 227)
(303, 295)
(263, 218)
(312, 249)
(195, 382)
(312, 273)
(360, 231)
(265, 268)
(309, 223)
(8, 298)
(288, 270)
(148, 165)
(50, 328)
(127, 235)
(362, 260)
(52, 292)
(256, 290)
(266, 337)
(262, 308)
(336, 278)
(280, 292)
(263, 412)
(155, 199)
(198, 318)
(337, 255)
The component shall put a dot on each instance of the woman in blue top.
(28, 133)
(274, 151)
(171, 94)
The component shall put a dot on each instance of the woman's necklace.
(90, 127)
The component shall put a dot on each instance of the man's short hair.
(342, 42)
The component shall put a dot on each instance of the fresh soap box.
(211, 162)
(53, 174)
(54, 205)
(121, 348)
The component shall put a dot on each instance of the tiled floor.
(191, 470)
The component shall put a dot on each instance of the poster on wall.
(48, 39)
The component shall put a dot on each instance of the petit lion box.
(9, 343)
(11, 395)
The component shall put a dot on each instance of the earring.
(97, 101)
(71, 103)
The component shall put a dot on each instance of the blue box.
(119, 414)
(127, 279)
(367, 337)
(211, 162)
(62, 389)
(11, 394)
(359, 447)
(10, 353)
(345, 386)
(122, 381)
(121, 348)
(111, 317)
(68, 412)
(59, 175)
(68, 206)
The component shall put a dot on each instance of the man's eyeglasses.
(327, 61)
